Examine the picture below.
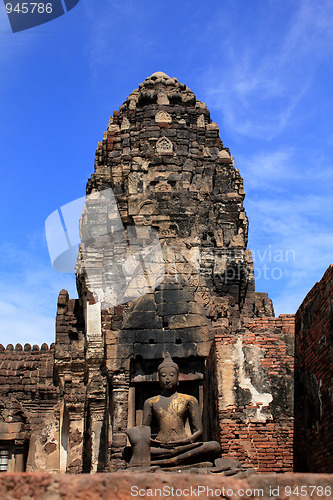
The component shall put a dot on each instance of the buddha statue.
(172, 445)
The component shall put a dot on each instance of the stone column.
(75, 441)
(19, 462)
(63, 437)
(96, 388)
(120, 389)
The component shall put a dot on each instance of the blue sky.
(263, 67)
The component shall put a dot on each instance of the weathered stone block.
(145, 303)
(119, 440)
(173, 295)
(171, 308)
(182, 321)
(142, 320)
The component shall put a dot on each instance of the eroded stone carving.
(162, 98)
(163, 117)
(164, 145)
(125, 124)
(201, 121)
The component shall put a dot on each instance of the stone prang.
(165, 162)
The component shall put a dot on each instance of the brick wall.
(254, 393)
(314, 379)
(29, 399)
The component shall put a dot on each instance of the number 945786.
(28, 8)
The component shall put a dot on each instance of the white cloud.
(310, 32)
(292, 243)
(21, 325)
(28, 297)
(258, 89)
(266, 168)
(286, 217)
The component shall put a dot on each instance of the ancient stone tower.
(175, 193)
(163, 158)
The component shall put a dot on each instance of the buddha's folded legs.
(159, 453)
(205, 451)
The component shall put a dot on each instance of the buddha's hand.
(156, 442)
(169, 444)
(178, 442)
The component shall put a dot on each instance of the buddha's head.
(168, 372)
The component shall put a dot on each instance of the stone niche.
(144, 384)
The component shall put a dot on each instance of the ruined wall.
(80, 372)
(253, 388)
(314, 379)
(54, 402)
(29, 407)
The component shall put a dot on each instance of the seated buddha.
(172, 445)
